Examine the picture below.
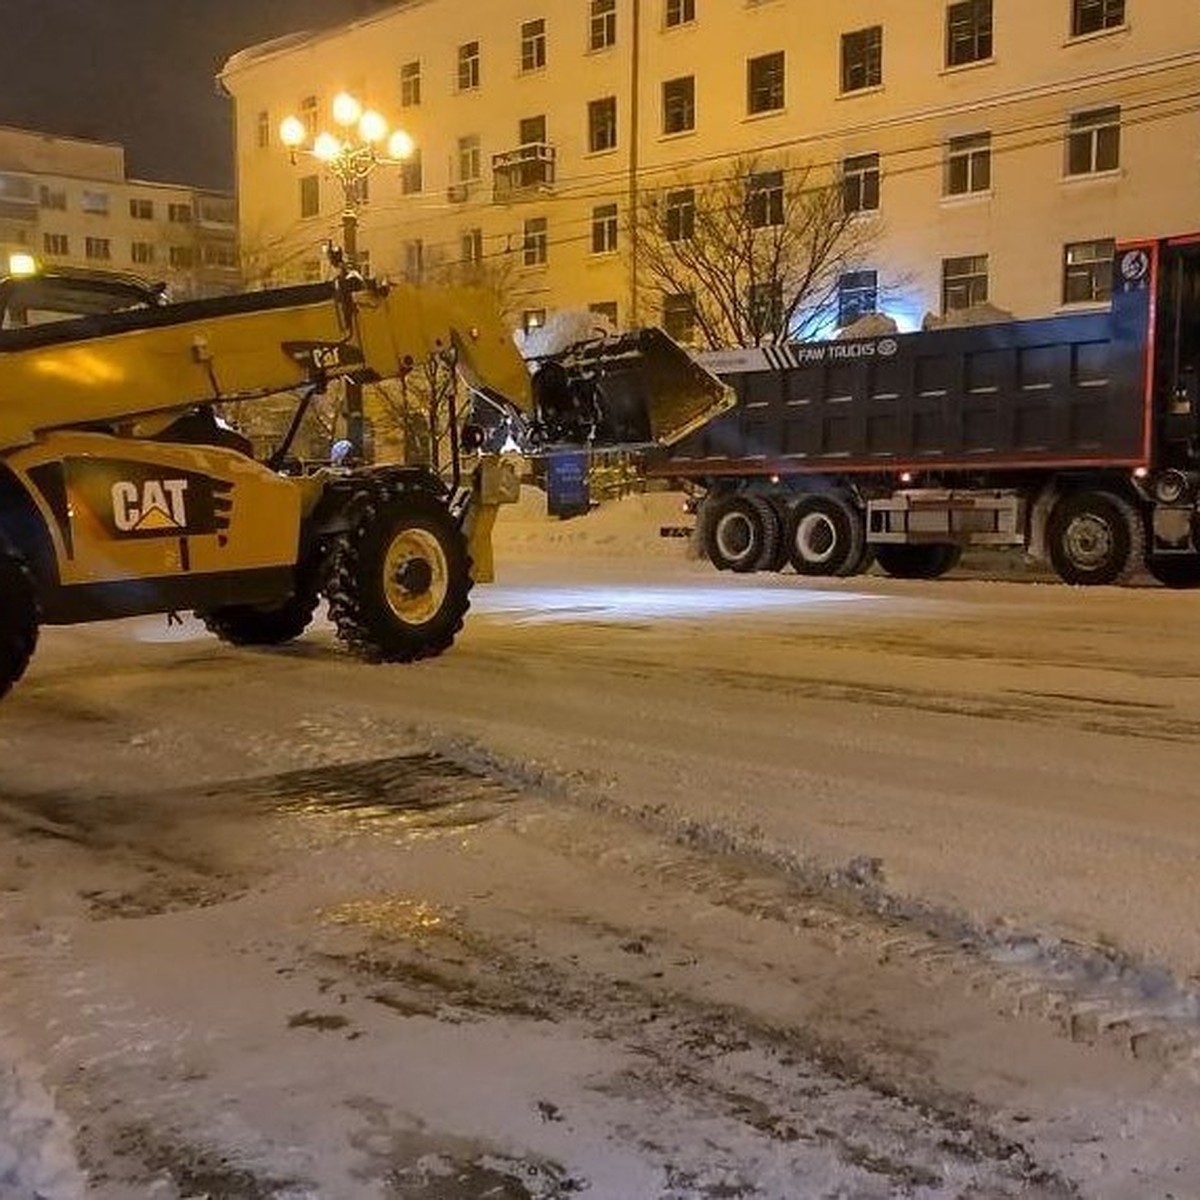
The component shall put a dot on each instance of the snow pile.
(36, 1162)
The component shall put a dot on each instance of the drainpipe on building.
(634, 160)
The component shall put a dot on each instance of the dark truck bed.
(1065, 391)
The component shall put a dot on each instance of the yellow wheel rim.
(416, 576)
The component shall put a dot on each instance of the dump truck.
(123, 492)
(1075, 438)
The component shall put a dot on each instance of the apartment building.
(69, 202)
(992, 149)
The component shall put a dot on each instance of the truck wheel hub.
(734, 536)
(1089, 541)
(815, 538)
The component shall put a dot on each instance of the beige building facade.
(69, 203)
(992, 149)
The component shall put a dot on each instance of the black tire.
(779, 557)
(19, 616)
(1175, 570)
(262, 625)
(1095, 538)
(927, 561)
(772, 556)
(400, 576)
(826, 536)
(736, 533)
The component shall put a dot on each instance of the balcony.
(526, 171)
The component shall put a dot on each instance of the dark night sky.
(141, 72)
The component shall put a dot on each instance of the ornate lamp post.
(362, 142)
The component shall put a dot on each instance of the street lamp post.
(362, 143)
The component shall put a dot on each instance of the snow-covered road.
(661, 883)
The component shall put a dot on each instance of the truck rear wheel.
(18, 616)
(826, 536)
(1095, 538)
(738, 533)
(928, 561)
(261, 625)
(1175, 570)
(400, 577)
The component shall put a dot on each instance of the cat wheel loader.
(123, 493)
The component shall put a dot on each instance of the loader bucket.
(635, 389)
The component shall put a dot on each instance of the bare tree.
(754, 251)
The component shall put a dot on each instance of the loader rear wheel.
(930, 561)
(261, 625)
(18, 616)
(826, 536)
(1095, 538)
(400, 577)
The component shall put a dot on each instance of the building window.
(531, 319)
(141, 210)
(764, 199)
(412, 178)
(262, 135)
(680, 222)
(531, 131)
(308, 115)
(310, 195)
(470, 160)
(604, 25)
(54, 198)
(860, 183)
(602, 124)
(414, 260)
(964, 281)
(765, 83)
(680, 12)
(1087, 272)
(410, 84)
(182, 257)
(968, 32)
(533, 246)
(97, 248)
(765, 307)
(56, 243)
(606, 310)
(679, 104)
(180, 214)
(468, 66)
(679, 317)
(1091, 16)
(604, 228)
(862, 59)
(969, 164)
(220, 256)
(857, 295)
(1094, 141)
(95, 202)
(142, 253)
(533, 45)
(472, 246)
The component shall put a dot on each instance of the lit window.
(533, 45)
(862, 59)
(533, 318)
(604, 228)
(468, 66)
(860, 183)
(310, 195)
(968, 32)
(964, 282)
(680, 12)
(857, 295)
(602, 124)
(680, 223)
(1092, 16)
(1094, 141)
(410, 85)
(534, 244)
(679, 317)
(1087, 272)
(679, 105)
(765, 83)
(604, 25)
(969, 164)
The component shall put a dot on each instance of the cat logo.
(154, 505)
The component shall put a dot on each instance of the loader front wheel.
(400, 578)
(261, 625)
(18, 616)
